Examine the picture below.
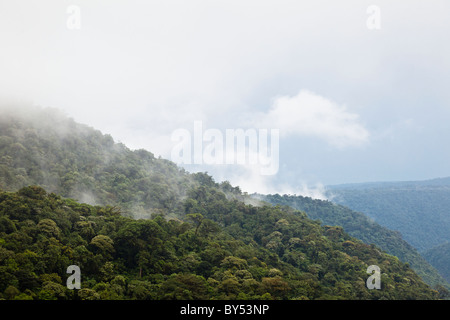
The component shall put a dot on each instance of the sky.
(337, 91)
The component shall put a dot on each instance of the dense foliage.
(419, 210)
(360, 226)
(43, 147)
(439, 257)
(140, 227)
(221, 249)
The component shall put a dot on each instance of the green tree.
(197, 219)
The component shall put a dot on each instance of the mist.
(352, 103)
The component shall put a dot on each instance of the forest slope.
(44, 147)
(439, 257)
(198, 239)
(420, 210)
(221, 250)
(360, 226)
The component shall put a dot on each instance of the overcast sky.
(359, 90)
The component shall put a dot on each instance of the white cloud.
(139, 70)
(309, 114)
(249, 179)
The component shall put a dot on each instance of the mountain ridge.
(439, 181)
(159, 232)
(419, 210)
(403, 206)
(360, 226)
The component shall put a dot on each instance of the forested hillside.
(221, 249)
(361, 227)
(143, 228)
(439, 257)
(420, 210)
(44, 147)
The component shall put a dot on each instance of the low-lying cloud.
(309, 114)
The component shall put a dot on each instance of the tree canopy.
(238, 252)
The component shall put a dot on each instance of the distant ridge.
(145, 228)
(444, 181)
(419, 210)
(362, 227)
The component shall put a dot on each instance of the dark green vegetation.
(220, 249)
(153, 231)
(361, 227)
(419, 210)
(439, 257)
(43, 147)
